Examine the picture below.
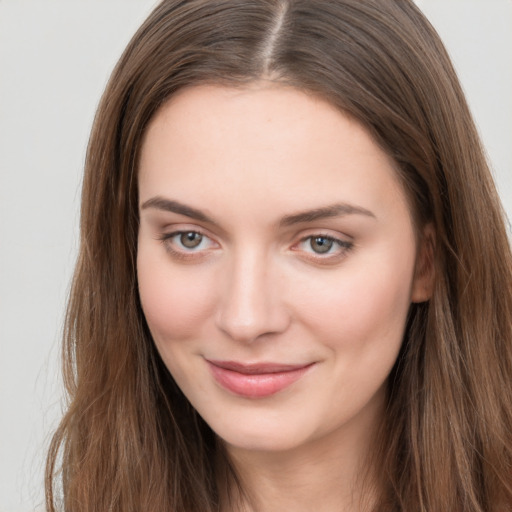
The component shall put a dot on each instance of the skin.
(257, 289)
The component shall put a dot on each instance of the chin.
(256, 440)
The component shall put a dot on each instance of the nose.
(251, 302)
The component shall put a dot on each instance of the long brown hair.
(130, 441)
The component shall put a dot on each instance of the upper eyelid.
(165, 220)
(175, 232)
(172, 234)
(327, 233)
(342, 243)
(171, 230)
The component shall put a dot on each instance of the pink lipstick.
(256, 380)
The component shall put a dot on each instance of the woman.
(294, 288)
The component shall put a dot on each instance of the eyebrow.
(168, 205)
(334, 210)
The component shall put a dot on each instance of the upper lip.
(257, 368)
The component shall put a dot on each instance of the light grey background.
(55, 58)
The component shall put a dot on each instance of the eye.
(323, 247)
(187, 243)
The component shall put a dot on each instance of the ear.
(424, 271)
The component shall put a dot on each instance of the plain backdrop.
(55, 58)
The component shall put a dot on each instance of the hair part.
(269, 44)
(130, 441)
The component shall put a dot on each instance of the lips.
(256, 380)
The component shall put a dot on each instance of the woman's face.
(276, 263)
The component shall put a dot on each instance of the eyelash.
(184, 253)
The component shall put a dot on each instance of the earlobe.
(424, 273)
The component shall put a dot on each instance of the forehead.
(266, 142)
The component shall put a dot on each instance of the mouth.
(258, 380)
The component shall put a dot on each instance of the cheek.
(175, 304)
(363, 306)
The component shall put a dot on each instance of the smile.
(256, 380)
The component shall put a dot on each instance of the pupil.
(191, 239)
(321, 244)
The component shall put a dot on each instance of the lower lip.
(259, 385)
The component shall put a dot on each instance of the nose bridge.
(250, 305)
